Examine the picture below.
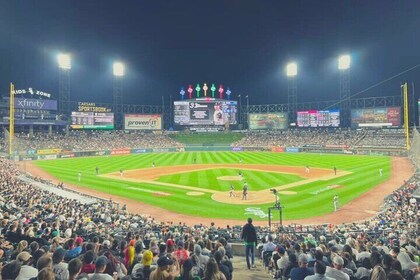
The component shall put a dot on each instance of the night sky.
(239, 43)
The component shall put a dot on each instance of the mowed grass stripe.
(302, 205)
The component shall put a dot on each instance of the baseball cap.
(170, 242)
(79, 240)
(106, 243)
(180, 244)
(281, 250)
(101, 261)
(163, 261)
(23, 256)
(147, 258)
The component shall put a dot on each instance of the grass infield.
(308, 199)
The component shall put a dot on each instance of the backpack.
(142, 274)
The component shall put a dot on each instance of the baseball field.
(198, 184)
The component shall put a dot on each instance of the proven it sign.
(142, 122)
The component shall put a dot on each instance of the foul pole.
(406, 124)
(11, 118)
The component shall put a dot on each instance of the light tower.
(291, 73)
(344, 62)
(117, 93)
(64, 66)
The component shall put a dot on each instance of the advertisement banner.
(237, 149)
(161, 150)
(337, 146)
(34, 104)
(102, 153)
(292, 150)
(139, 151)
(269, 121)
(26, 158)
(47, 157)
(142, 122)
(48, 151)
(277, 149)
(120, 152)
(72, 155)
(389, 116)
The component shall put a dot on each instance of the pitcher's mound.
(194, 193)
(230, 178)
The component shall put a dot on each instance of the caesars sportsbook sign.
(142, 122)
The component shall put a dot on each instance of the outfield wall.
(48, 154)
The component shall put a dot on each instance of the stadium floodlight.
(118, 69)
(344, 62)
(64, 61)
(291, 69)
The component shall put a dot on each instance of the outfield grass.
(306, 203)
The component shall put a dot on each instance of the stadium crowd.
(383, 138)
(393, 138)
(105, 140)
(92, 141)
(301, 137)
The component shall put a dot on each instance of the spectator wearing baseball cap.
(167, 269)
(145, 264)
(76, 251)
(170, 245)
(283, 261)
(26, 269)
(100, 266)
(299, 273)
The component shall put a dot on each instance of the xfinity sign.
(34, 104)
(142, 122)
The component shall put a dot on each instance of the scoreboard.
(314, 118)
(92, 120)
(205, 111)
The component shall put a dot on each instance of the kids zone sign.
(33, 92)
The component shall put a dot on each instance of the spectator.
(336, 272)
(302, 271)
(100, 266)
(11, 271)
(60, 268)
(26, 269)
(319, 269)
(75, 268)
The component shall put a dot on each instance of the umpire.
(249, 235)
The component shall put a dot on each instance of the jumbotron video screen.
(205, 111)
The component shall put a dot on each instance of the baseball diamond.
(167, 186)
